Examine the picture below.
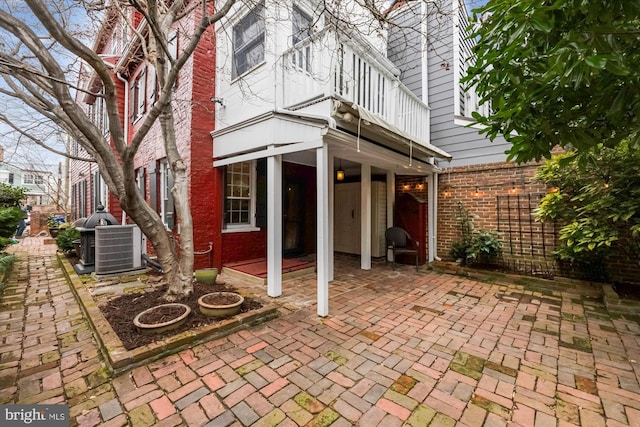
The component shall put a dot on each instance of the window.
(10, 177)
(248, 42)
(301, 25)
(166, 198)
(141, 182)
(138, 96)
(301, 31)
(239, 202)
(119, 39)
(154, 90)
(32, 178)
(466, 99)
(98, 114)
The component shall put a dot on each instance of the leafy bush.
(476, 245)
(459, 250)
(596, 200)
(4, 242)
(66, 237)
(11, 196)
(484, 247)
(9, 218)
(6, 264)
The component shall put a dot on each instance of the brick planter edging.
(615, 304)
(558, 283)
(120, 360)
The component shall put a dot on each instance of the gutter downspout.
(126, 124)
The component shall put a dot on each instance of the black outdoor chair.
(400, 243)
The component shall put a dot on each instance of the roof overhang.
(374, 127)
(272, 133)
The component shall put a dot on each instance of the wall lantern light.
(340, 172)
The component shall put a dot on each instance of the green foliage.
(66, 237)
(10, 212)
(4, 242)
(476, 245)
(459, 250)
(53, 223)
(597, 202)
(6, 263)
(11, 196)
(484, 247)
(9, 218)
(561, 72)
(464, 218)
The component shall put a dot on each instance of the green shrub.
(66, 237)
(459, 250)
(9, 218)
(484, 247)
(6, 265)
(476, 245)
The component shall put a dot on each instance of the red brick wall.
(242, 246)
(478, 187)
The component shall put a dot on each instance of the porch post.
(274, 226)
(365, 217)
(322, 214)
(391, 199)
(432, 214)
(330, 179)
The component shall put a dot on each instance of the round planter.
(207, 276)
(53, 232)
(160, 327)
(222, 309)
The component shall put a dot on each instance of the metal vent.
(118, 249)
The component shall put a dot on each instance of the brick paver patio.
(399, 348)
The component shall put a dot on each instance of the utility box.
(88, 239)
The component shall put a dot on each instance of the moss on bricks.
(308, 402)
(98, 377)
(502, 369)
(403, 384)
(249, 367)
(467, 365)
(421, 416)
(324, 418)
(335, 357)
(573, 317)
(490, 406)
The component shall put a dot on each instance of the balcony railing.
(325, 65)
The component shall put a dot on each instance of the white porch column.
(365, 217)
(391, 199)
(331, 195)
(432, 215)
(322, 214)
(274, 226)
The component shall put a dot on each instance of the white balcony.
(328, 65)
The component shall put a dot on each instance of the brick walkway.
(399, 348)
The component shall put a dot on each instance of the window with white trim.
(167, 210)
(248, 42)
(32, 178)
(301, 30)
(138, 96)
(239, 200)
(466, 99)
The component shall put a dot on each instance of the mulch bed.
(121, 310)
